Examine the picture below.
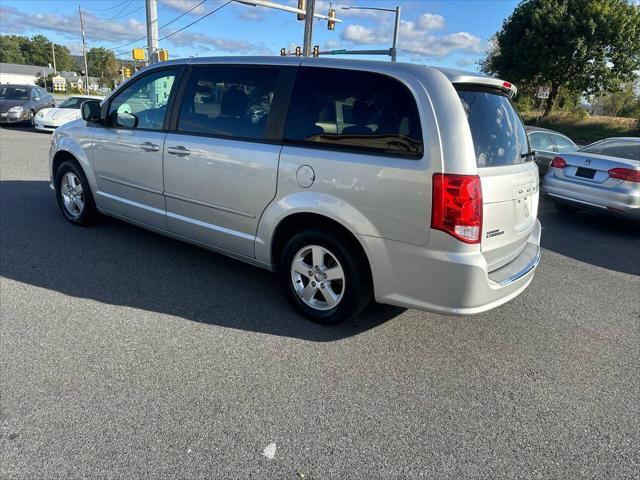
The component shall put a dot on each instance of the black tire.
(32, 116)
(564, 208)
(89, 214)
(356, 288)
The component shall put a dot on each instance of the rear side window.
(232, 102)
(355, 111)
(541, 141)
(564, 145)
(498, 135)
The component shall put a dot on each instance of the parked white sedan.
(48, 119)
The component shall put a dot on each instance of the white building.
(22, 74)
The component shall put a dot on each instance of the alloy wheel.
(318, 278)
(72, 194)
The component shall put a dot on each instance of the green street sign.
(338, 52)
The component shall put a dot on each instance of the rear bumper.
(624, 200)
(451, 283)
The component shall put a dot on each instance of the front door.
(127, 152)
(221, 163)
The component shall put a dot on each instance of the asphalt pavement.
(124, 354)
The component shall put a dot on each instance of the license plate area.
(585, 173)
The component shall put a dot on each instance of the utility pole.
(84, 52)
(308, 28)
(152, 31)
(394, 50)
(53, 52)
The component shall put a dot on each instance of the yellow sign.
(138, 53)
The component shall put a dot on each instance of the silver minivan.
(354, 180)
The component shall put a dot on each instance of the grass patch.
(585, 130)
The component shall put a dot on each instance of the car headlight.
(16, 109)
(40, 114)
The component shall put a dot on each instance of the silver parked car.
(547, 144)
(20, 103)
(603, 176)
(352, 179)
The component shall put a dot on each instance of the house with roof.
(23, 74)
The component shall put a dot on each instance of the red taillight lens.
(625, 174)
(457, 206)
(558, 162)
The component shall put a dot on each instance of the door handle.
(179, 150)
(149, 147)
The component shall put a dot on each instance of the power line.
(168, 23)
(196, 21)
(112, 7)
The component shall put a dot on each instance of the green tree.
(622, 103)
(102, 63)
(585, 46)
(11, 49)
(34, 51)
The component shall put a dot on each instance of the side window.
(228, 101)
(35, 94)
(144, 103)
(354, 110)
(564, 145)
(540, 141)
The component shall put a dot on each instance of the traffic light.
(163, 55)
(298, 51)
(283, 52)
(316, 51)
(138, 53)
(126, 71)
(302, 5)
(331, 19)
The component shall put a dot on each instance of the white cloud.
(204, 42)
(184, 6)
(69, 25)
(415, 37)
(429, 21)
(332, 44)
(465, 62)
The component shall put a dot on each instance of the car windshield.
(74, 102)
(615, 147)
(498, 135)
(14, 93)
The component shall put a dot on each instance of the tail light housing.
(457, 206)
(625, 174)
(558, 162)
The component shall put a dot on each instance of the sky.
(448, 33)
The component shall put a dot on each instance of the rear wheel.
(323, 278)
(31, 118)
(74, 195)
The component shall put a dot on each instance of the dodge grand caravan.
(353, 180)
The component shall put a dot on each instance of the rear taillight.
(625, 174)
(457, 206)
(558, 162)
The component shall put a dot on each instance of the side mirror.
(127, 120)
(91, 111)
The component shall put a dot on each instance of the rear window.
(616, 147)
(498, 135)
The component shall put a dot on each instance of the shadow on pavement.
(119, 264)
(602, 240)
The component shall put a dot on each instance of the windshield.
(615, 147)
(14, 93)
(498, 135)
(74, 102)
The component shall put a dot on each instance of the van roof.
(454, 76)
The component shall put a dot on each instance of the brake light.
(457, 206)
(558, 162)
(625, 174)
(506, 84)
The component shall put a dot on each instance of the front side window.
(564, 145)
(144, 103)
(74, 102)
(232, 102)
(498, 135)
(354, 110)
(540, 141)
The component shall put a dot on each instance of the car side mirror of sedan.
(91, 111)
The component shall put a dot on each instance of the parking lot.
(125, 354)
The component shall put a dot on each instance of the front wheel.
(74, 195)
(323, 277)
(31, 118)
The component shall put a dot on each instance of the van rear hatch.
(508, 175)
